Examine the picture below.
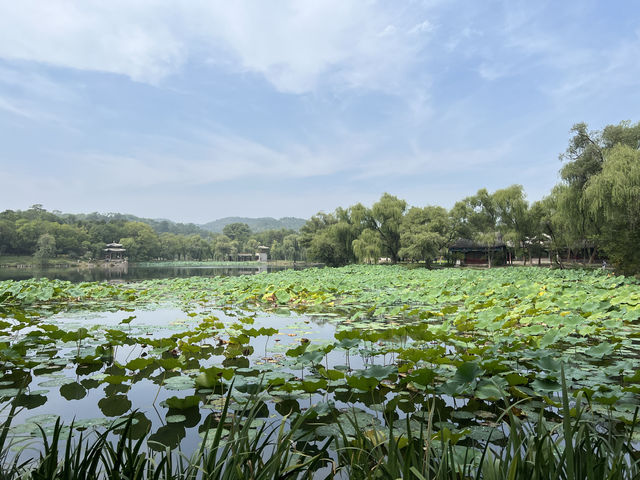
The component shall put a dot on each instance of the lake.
(94, 394)
(133, 272)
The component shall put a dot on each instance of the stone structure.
(263, 253)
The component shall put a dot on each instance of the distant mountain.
(256, 224)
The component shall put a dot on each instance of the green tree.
(251, 245)
(426, 232)
(223, 248)
(27, 234)
(7, 235)
(46, 248)
(477, 217)
(198, 247)
(385, 217)
(324, 248)
(69, 238)
(169, 246)
(584, 159)
(613, 198)
(237, 231)
(291, 248)
(514, 221)
(328, 238)
(367, 247)
(275, 251)
(145, 244)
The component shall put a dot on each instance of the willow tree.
(328, 238)
(367, 247)
(515, 222)
(385, 218)
(478, 217)
(426, 232)
(613, 198)
(46, 248)
(585, 157)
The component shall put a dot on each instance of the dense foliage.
(593, 213)
(261, 224)
(46, 234)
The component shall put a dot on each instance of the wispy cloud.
(436, 162)
(218, 159)
(25, 111)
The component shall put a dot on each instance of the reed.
(579, 447)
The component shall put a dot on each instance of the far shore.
(27, 261)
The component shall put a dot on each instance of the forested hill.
(161, 225)
(256, 224)
(158, 224)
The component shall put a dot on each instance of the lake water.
(133, 272)
(88, 397)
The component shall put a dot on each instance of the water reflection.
(134, 272)
(69, 382)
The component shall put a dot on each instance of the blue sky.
(198, 110)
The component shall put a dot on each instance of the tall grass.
(578, 448)
(235, 448)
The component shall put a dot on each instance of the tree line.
(592, 213)
(45, 234)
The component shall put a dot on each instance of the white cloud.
(493, 71)
(216, 159)
(422, 28)
(424, 161)
(117, 37)
(294, 45)
(388, 31)
(593, 73)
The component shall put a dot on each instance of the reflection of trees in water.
(319, 321)
(127, 271)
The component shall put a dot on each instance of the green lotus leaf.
(422, 376)
(212, 376)
(73, 391)
(115, 405)
(489, 390)
(30, 401)
(175, 418)
(313, 385)
(467, 373)
(139, 363)
(601, 350)
(545, 385)
(299, 350)
(182, 403)
(179, 382)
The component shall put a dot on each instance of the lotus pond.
(367, 342)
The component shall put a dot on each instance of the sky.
(198, 110)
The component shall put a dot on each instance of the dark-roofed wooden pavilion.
(114, 252)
